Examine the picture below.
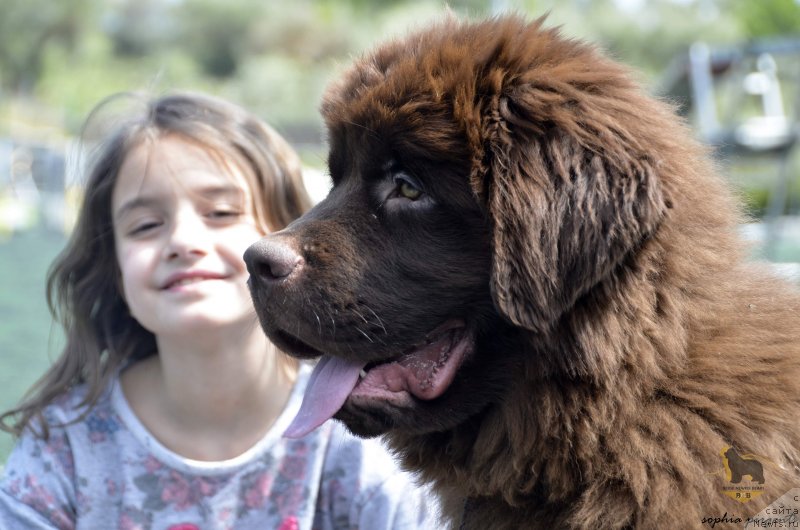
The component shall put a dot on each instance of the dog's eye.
(407, 187)
(408, 191)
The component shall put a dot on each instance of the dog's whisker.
(361, 316)
(365, 334)
(333, 324)
(319, 323)
(380, 322)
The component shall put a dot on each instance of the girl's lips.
(187, 277)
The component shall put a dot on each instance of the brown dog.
(527, 276)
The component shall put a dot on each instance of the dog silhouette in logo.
(741, 466)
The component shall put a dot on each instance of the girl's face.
(182, 221)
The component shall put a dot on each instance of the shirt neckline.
(121, 406)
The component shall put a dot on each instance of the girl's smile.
(182, 279)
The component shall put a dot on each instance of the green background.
(28, 340)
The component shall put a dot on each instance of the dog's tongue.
(328, 387)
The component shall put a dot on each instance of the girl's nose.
(188, 237)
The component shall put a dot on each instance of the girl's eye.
(220, 209)
(223, 210)
(143, 228)
(224, 213)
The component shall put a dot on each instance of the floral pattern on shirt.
(41, 499)
(280, 491)
(164, 488)
(102, 425)
(106, 471)
(57, 454)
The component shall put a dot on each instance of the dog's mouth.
(423, 372)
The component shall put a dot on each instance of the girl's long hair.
(83, 283)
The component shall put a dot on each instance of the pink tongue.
(328, 387)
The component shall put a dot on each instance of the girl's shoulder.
(73, 407)
(74, 425)
(43, 471)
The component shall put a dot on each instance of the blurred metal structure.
(745, 101)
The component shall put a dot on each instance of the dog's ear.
(568, 205)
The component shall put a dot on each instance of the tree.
(28, 28)
(139, 27)
(766, 18)
(215, 33)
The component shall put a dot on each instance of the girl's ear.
(564, 216)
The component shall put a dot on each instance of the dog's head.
(486, 177)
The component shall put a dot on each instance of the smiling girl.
(166, 406)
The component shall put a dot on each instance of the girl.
(166, 406)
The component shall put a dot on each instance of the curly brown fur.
(621, 339)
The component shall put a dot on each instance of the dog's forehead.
(417, 132)
(452, 62)
(442, 87)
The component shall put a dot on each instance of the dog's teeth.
(362, 374)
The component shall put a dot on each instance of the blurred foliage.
(275, 58)
(28, 28)
(756, 200)
(216, 34)
(648, 39)
(766, 18)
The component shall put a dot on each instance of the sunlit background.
(732, 67)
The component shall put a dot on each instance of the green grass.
(28, 340)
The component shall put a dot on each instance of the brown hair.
(83, 290)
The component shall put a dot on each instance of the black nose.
(272, 259)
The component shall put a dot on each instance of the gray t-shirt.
(107, 471)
